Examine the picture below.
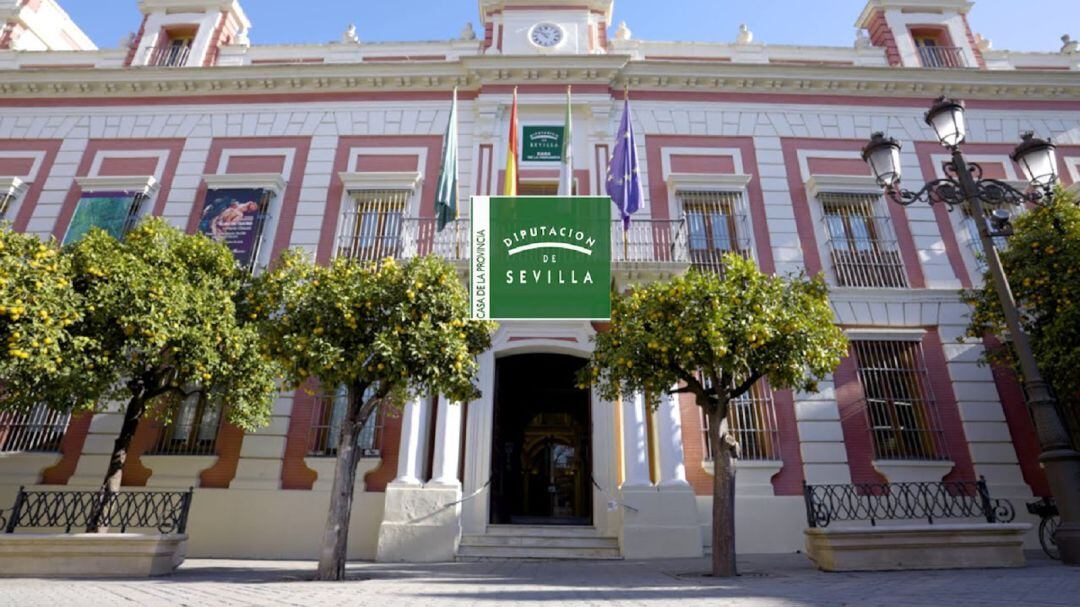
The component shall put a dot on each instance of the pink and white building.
(746, 146)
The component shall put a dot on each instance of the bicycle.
(1046, 509)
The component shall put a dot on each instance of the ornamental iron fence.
(166, 511)
(873, 502)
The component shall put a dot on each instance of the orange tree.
(1042, 261)
(383, 331)
(145, 321)
(715, 336)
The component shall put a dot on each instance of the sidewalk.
(766, 580)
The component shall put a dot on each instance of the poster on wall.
(234, 217)
(109, 211)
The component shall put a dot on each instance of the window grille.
(261, 220)
(861, 242)
(716, 224)
(173, 53)
(5, 206)
(326, 426)
(38, 431)
(194, 428)
(752, 418)
(900, 406)
(372, 225)
(971, 229)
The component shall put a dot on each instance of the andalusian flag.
(566, 173)
(510, 187)
(446, 200)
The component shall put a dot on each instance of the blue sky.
(1030, 25)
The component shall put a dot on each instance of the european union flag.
(624, 174)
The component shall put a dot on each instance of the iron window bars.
(861, 241)
(716, 225)
(194, 428)
(38, 431)
(326, 418)
(899, 404)
(752, 417)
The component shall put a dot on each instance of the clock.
(546, 35)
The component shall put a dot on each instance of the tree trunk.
(99, 521)
(723, 512)
(335, 543)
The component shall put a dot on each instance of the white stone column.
(410, 451)
(478, 448)
(635, 442)
(444, 469)
(670, 447)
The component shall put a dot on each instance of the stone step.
(542, 530)
(533, 541)
(475, 553)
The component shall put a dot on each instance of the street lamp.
(964, 184)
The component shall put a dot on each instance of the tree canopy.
(736, 328)
(38, 306)
(1042, 262)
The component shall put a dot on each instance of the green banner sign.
(541, 258)
(542, 143)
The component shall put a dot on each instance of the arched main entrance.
(541, 452)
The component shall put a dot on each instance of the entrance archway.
(541, 448)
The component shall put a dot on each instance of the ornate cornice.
(471, 74)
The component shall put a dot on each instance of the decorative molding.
(266, 181)
(885, 334)
(142, 184)
(404, 180)
(708, 181)
(842, 184)
(471, 73)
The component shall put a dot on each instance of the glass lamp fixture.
(883, 156)
(1038, 159)
(946, 117)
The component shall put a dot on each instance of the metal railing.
(898, 401)
(171, 55)
(166, 511)
(38, 431)
(649, 240)
(942, 57)
(932, 501)
(861, 242)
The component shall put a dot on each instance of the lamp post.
(964, 184)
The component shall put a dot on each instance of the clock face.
(546, 35)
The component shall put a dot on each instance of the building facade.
(745, 147)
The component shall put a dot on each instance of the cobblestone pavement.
(766, 580)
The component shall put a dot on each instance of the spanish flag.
(510, 187)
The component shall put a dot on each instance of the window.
(326, 426)
(174, 48)
(861, 242)
(10, 189)
(752, 417)
(194, 428)
(372, 225)
(39, 430)
(899, 402)
(936, 50)
(716, 225)
(116, 212)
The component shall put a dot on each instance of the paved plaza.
(766, 580)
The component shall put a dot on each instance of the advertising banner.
(234, 217)
(541, 258)
(109, 211)
(542, 143)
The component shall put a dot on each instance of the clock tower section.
(545, 27)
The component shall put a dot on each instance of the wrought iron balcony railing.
(942, 57)
(171, 55)
(390, 235)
